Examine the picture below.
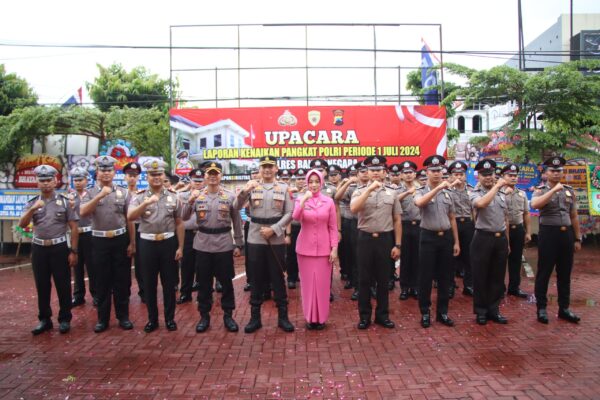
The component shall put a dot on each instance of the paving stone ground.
(521, 360)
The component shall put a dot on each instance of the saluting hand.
(375, 185)
(501, 182)
(106, 190)
(251, 185)
(152, 199)
(558, 187)
(508, 190)
(194, 196)
(307, 195)
(72, 200)
(38, 204)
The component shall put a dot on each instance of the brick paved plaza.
(521, 360)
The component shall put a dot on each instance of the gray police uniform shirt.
(434, 215)
(379, 209)
(268, 200)
(214, 211)
(132, 195)
(294, 196)
(517, 204)
(51, 221)
(79, 199)
(111, 211)
(493, 217)
(329, 190)
(158, 217)
(558, 210)
(345, 202)
(462, 202)
(410, 212)
(190, 223)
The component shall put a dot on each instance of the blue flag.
(428, 76)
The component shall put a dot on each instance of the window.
(203, 143)
(231, 141)
(217, 140)
(461, 124)
(477, 124)
(186, 144)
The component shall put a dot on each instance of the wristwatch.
(398, 246)
(74, 251)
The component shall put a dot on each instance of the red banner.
(341, 135)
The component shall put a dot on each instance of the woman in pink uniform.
(316, 248)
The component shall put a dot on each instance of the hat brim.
(212, 169)
(263, 163)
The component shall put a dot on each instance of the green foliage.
(146, 129)
(23, 126)
(480, 141)
(14, 93)
(137, 88)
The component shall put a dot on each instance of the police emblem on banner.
(314, 117)
(338, 117)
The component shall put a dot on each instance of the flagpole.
(441, 64)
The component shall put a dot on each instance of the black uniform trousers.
(435, 260)
(291, 256)
(516, 239)
(267, 264)
(84, 262)
(373, 258)
(555, 248)
(466, 229)
(52, 262)
(409, 256)
(158, 259)
(489, 251)
(113, 272)
(353, 252)
(188, 264)
(137, 260)
(219, 265)
(348, 248)
(246, 258)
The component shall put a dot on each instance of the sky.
(57, 73)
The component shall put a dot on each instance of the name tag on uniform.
(119, 194)
(567, 193)
(279, 196)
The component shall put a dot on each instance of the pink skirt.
(315, 285)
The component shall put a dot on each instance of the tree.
(25, 125)
(566, 97)
(135, 89)
(147, 130)
(14, 92)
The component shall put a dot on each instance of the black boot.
(254, 323)
(229, 322)
(204, 323)
(282, 321)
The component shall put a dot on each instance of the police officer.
(347, 245)
(132, 173)
(559, 239)
(254, 175)
(50, 257)
(422, 177)
(519, 225)
(161, 242)
(111, 247)
(438, 241)
(411, 219)
(395, 175)
(84, 258)
(293, 230)
(334, 175)
(379, 239)
(188, 262)
(284, 175)
(464, 222)
(489, 247)
(214, 211)
(271, 210)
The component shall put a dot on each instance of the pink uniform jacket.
(319, 233)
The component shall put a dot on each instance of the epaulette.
(34, 198)
(568, 187)
(353, 185)
(390, 186)
(171, 190)
(470, 186)
(122, 187)
(140, 191)
(542, 186)
(361, 186)
(64, 196)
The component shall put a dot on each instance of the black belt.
(265, 221)
(463, 219)
(214, 231)
(494, 234)
(374, 234)
(515, 226)
(437, 233)
(413, 222)
(562, 228)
